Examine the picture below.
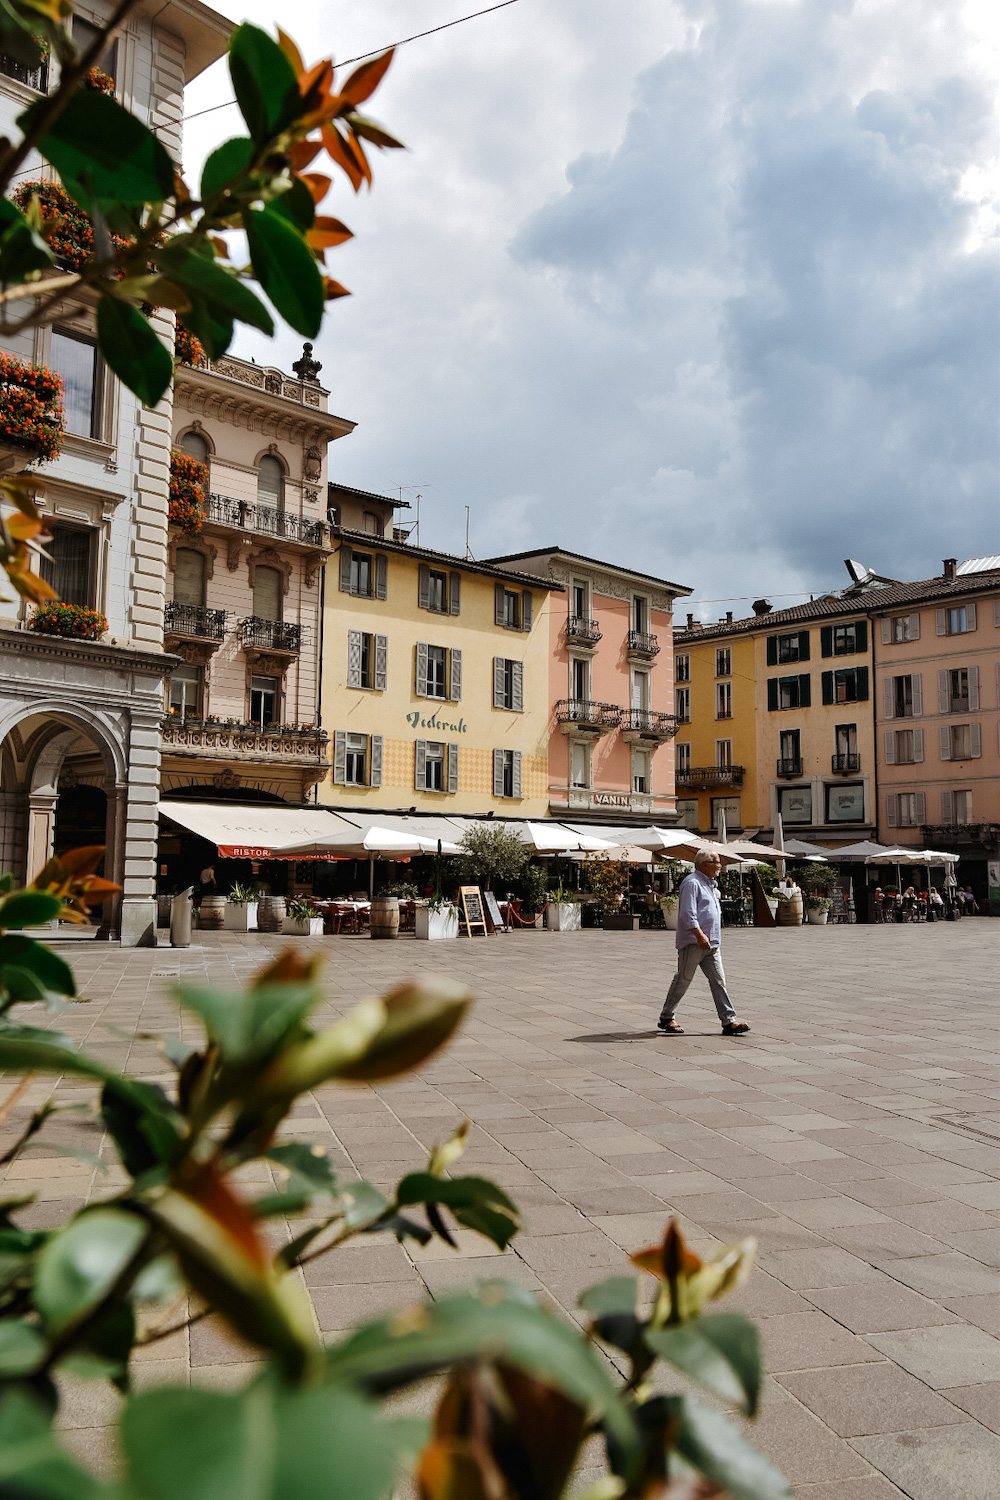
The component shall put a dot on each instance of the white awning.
(259, 832)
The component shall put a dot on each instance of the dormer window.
(373, 524)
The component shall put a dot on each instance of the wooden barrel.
(385, 917)
(212, 913)
(270, 913)
(790, 912)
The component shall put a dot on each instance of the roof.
(467, 564)
(348, 489)
(204, 31)
(594, 562)
(979, 565)
(872, 601)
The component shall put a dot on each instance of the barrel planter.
(212, 913)
(790, 912)
(270, 913)
(385, 917)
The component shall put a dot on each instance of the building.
(435, 673)
(80, 719)
(611, 689)
(715, 753)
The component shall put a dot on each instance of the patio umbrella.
(629, 854)
(554, 838)
(375, 843)
(779, 843)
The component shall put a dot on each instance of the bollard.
(180, 919)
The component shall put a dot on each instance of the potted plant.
(241, 909)
(534, 883)
(668, 906)
(188, 489)
(436, 918)
(303, 918)
(77, 621)
(563, 912)
(818, 909)
(608, 879)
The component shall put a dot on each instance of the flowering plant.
(55, 618)
(97, 79)
(188, 484)
(187, 349)
(61, 222)
(31, 409)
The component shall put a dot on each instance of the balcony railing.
(194, 620)
(265, 519)
(641, 643)
(845, 763)
(271, 635)
(586, 714)
(585, 632)
(790, 766)
(706, 777)
(35, 78)
(649, 723)
(213, 739)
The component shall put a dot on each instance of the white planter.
(563, 916)
(669, 916)
(311, 927)
(432, 925)
(817, 918)
(772, 906)
(240, 916)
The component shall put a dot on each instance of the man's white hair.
(704, 857)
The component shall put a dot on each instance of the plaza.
(855, 1133)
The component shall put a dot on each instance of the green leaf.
(25, 1049)
(264, 82)
(22, 249)
(159, 1281)
(476, 1202)
(29, 909)
(296, 205)
(248, 1026)
(32, 1464)
(616, 1295)
(45, 967)
(331, 1446)
(208, 279)
(144, 1137)
(714, 1447)
(363, 1204)
(310, 1163)
(721, 1350)
(79, 1266)
(200, 1444)
(22, 1348)
(102, 151)
(226, 164)
(286, 269)
(133, 350)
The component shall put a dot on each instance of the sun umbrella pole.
(371, 875)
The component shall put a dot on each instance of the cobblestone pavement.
(855, 1132)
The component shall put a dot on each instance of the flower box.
(73, 620)
(241, 916)
(308, 927)
(188, 488)
(31, 409)
(434, 923)
(563, 916)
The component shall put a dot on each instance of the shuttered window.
(452, 768)
(508, 684)
(789, 692)
(375, 760)
(455, 593)
(455, 676)
(381, 677)
(506, 773)
(367, 660)
(381, 575)
(267, 592)
(189, 577)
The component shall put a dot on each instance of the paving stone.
(869, 1398)
(825, 1267)
(810, 1341)
(980, 1401)
(949, 1356)
(937, 1463)
(879, 1308)
(943, 1275)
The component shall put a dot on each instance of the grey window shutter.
(354, 658)
(381, 662)
(892, 810)
(375, 761)
(424, 587)
(996, 612)
(947, 807)
(918, 744)
(420, 765)
(944, 697)
(915, 626)
(421, 682)
(381, 575)
(517, 687)
(499, 662)
(941, 621)
(917, 687)
(975, 741)
(498, 773)
(526, 610)
(973, 689)
(890, 747)
(340, 757)
(888, 701)
(498, 603)
(455, 684)
(516, 774)
(970, 616)
(921, 807)
(453, 768)
(455, 593)
(944, 737)
(886, 631)
(998, 684)
(346, 556)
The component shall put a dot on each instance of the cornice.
(93, 653)
(232, 399)
(611, 585)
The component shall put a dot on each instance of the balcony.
(582, 632)
(264, 520)
(194, 622)
(707, 778)
(844, 765)
(34, 78)
(641, 645)
(648, 724)
(789, 766)
(274, 637)
(583, 714)
(279, 744)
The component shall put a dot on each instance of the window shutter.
(973, 689)
(516, 774)
(498, 773)
(890, 747)
(827, 686)
(375, 761)
(998, 684)
(917, 690)
(381, 575)
(996, 611)
(944, 740)
(772, 692)
(941, 621)
(526, 610)
(915, 627)
(861, 679)
(920, 809)
(826, 642)
(340, 757)
(381, 663)
(517, 687)
(345, 569)
(944, 698)
(455, 593)
(421, 683)
(498, 604)
(805, 691)
(975, 741)
(189, 576)
(455, 682)
(970, 617)
(772, 650)
(803, 645)
(947, 807)
(354, 658)
(892, 810)
(423, 587)
(918, 744)
(886, 631)
(453, 768)
(888, 699)
(499, 663)
(861, 635)
(420, 765)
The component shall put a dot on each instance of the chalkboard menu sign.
(839, 911)
(472, 909)
(494, 912)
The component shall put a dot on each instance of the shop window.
(265, 700)
(69, 564)
(185, 690)
(845, 802)
(267, 591)
(75, 357)
(687, 812)
(682, 668)
(724, 661)
(189, 577)
(271, 482)
(723, 700)
(729, 807)
(795, 804)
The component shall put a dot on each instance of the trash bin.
(180, 919)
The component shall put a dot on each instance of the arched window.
(373, 523)
(267, 593)
(195, 446)
(271, 482)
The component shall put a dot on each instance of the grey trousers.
(689, 959)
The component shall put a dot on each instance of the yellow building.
(435, 674)
(716, 748)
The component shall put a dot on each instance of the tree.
(492, 852)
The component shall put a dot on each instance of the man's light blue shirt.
(699, 906)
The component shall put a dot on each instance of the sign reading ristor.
(416, 722)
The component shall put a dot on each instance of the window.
(789, 692)
(723, 700)
(902, 697)
(683, 749)
(506, 773)
(356, 754)
(357, 759)
(849, 685)
(961, 741)
(367, 660)
(682, 668)
(437, 665)
(687, 812)
(189, 577)
(958, 694)
(640, 614)
(640, 690)
(185, 690)
(790, 752)
(724, 754)
(844, 640)
(961, 807)
(267, 591)
(795, 804)
(437, 592)
(271, 482)
(76, 359)
(845, 802)
(787, 648)
(579, 679)
(372, 524)
(846, 739)
(728, 808)
(69, 565)
(361, 574)
(906, 809)
(511, 609)
(435, 766)
(195, 446)
(958, 620)
(682, 705)
(724, 661)
(265, 698)
(904, 747)
(580, 600)
(508, 684)
(579, 763)
(904, 628)
(641, 772)
(85, 33)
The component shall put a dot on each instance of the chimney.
(690, 624)
(950, 564)
(762, 606)
(729, 617)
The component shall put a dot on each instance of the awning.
(258, 832)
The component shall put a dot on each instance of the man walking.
(699, 933)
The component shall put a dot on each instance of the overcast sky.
(705, 287)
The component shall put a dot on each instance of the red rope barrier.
(517, 918)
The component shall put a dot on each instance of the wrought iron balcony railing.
(642, 643)
(790, 766)
(35, 78)
(585, 632)
(706, 777)
(588, 715)
(194, 620)
(265, 519)
(650, 723)
(845, 763)
(271, 635)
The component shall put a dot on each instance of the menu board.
(472, 909)
(494, 912)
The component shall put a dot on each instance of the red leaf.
(365, 80)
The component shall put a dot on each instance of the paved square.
(855, 1132)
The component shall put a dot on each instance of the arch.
(81, 720)
(196, 443)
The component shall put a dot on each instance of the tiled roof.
(348, 489)
(428, 554)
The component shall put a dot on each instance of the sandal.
(736, 1028)
(670, 1027)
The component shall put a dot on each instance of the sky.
(707, 288)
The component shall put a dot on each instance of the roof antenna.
(468, 549)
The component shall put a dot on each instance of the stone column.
(138, 833)
(41, 830)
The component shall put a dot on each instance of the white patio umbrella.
(555, 838)
(374, 843)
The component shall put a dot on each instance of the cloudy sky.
(705, 287)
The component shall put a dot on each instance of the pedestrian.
(206, 881)
(699, 933)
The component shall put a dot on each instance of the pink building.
(611, 756)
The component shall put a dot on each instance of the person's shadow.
(635, 1036)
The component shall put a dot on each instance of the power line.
(417, 35)
(741, 598)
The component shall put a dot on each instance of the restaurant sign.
(611, 799)
(433, 722)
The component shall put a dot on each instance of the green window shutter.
(772, 689)
(803, 645)
(772, 653)
(861, 635)
(805, 691)
(827, 686)
(862, 681)
(826, 641)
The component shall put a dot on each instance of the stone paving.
(855, 1132)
